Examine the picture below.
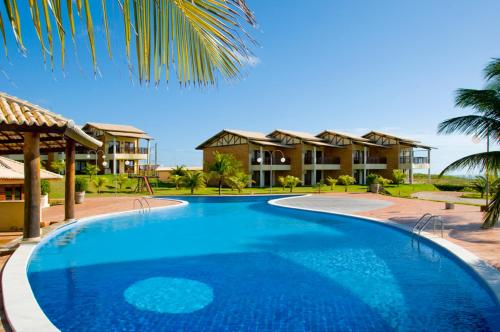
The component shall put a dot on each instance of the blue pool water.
(240, 264)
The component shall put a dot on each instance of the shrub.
(399, 176)
(346, 180)
(45, 187)
(81, 185)
(450, 187)
(372, 179)
(292, 181)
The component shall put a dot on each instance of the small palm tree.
(90, 170)
(223, 166)
(121, 180)
(282, 182)
(331, 182)
(479, 185)
(292, 182)
(176, 180)
(100, 182)
(194, 181)
(484, 123)
(346, 180)
(239, 181)
(399, 176)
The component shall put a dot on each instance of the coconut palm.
(194, 181)
(484, 123)
(203, 38)
(90, 170)
(346, 180)
(179, 170)
(222, 167)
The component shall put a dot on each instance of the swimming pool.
(240, 264)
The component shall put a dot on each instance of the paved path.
(462, 225)
(337, 204)
(447, 196)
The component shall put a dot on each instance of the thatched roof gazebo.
(30, 129)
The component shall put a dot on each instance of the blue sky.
(345, 65)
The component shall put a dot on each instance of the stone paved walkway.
(447, 196)
(462, 225)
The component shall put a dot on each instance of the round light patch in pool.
(169, 295)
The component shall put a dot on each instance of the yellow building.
(313, 158)
(124, 149)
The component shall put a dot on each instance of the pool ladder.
(143, 204)
(426, 220)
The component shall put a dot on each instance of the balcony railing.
(276, 161)
(326, 160)
(371, 160)
(416, 160)
(128, 150)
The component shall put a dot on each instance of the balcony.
(418, 162)
(326, 160)
(371, 160)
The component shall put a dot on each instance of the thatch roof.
(18, 116)
(14, 170)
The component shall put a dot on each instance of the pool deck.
(462, 225)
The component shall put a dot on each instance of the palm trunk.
(220, 186)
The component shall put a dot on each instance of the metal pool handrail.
(422, 223)
(421, 220)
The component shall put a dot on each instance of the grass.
(57, 189)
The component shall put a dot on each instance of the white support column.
(313, 178)
(411, 166)
(149, 152)
(302, 156)
(429, 161)
(250, 171)
(261, 169)
(365, 160)
(114, 155)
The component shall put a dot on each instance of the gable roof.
(118, 130)
(297, 134)
(18, 116)
(14, 170)
(380, 133)
(250, 135)
(343, 134)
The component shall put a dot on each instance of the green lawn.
(57, 189)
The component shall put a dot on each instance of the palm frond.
(476, 161)
(205, 39)
(476, 125)
(492, 70)
(486, 102)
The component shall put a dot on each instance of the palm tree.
(292, 182)
(346, 180)
(399, 176)
(179, 170)
(194, 180)
(239, 181)
(223, 166)
(99, 183)
(121, 180)
(484, 123)
(203, 38)
(177, 180)
(479, 185)
(90, 170)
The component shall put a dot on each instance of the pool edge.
(21, 308)
(489, 275)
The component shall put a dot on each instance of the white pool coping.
(489, 275)
(25, 315)
(21, 308)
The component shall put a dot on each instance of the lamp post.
(96, 155)
(271, 153)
